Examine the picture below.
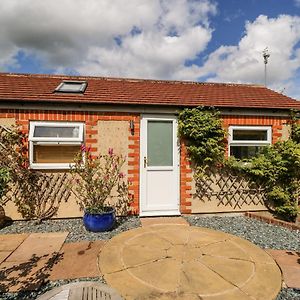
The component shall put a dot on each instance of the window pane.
(250, 135)
(160, 143)
(242, 152)
(72, 87)
(57, 131)
(54, 154)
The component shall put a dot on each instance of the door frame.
(176, 164)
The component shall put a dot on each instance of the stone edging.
(273, 221)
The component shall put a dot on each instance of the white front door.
(159, 166)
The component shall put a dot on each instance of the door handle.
(145, 162)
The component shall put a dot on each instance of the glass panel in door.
(160, 143)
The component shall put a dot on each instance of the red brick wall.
(276, 123)
(185, 181)
(23, 117)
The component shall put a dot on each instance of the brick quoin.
(185, 179)
(134, 163)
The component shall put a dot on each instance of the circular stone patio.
(185, 262)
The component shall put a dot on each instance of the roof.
(41, 88)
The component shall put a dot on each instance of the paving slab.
(38, 244)
(79, 261)
(187, 263)
(150, 221)
(289, 263)
(28, 275)
(29, 265)
(4, 255)
(10, 242)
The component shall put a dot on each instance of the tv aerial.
(266, 56)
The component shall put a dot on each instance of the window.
(53, 145)
(72, 87)
(247, 141)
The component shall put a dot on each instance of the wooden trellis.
(228, 189)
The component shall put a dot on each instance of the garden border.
(273, 221)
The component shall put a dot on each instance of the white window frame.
(53, 141)
(232, 142)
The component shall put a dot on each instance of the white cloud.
(244, 62)
(147, 38)
(115, 38)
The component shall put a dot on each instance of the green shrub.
(277, 169)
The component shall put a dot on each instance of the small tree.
(37, 195)
(99, 183)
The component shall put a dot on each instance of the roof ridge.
(64, 76)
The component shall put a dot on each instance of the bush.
(98, 182)
(277, 169)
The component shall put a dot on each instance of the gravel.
(260, 233)
(75, 227)
(289, 294)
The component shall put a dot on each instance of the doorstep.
(150, 221)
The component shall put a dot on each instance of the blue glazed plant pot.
(100, 222)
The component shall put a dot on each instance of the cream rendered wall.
(285, 132)
(114, 135)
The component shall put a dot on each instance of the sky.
(192, 40)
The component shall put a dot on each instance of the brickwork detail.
(272, 220)
(185, 181)
(276, 123)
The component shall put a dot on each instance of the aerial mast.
(266, 56)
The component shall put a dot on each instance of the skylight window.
(72, 87)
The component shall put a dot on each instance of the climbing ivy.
(201, 128)
(276, 168)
